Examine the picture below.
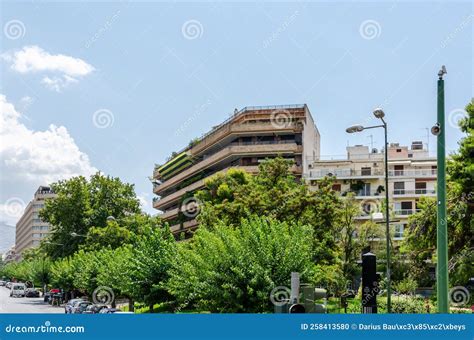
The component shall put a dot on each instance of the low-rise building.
(412, 174)
(30, 229)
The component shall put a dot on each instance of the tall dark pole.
(441, 225)
(387, 223)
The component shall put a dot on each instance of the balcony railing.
(414, 192)
(413, 173)
(405, 212)
(345, 173)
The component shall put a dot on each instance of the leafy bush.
(234, 269)
(406, 286)
(406, 305)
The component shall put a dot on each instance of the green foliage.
(406, 286)
(406, 305)
(149, 264)
(35, 270)
(81, 205)
(274, 192)
(420, 240)
(235, 269)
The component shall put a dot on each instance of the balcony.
(170, 214)
(405, 212)
(416, 192)
(171, 198)
(430, 173)
(186, 225)
(231, 129)
(346, 173)
(259, 149)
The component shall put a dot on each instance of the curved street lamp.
(380, 114)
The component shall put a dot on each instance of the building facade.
(30, 229)
(248, 137)
(412, 174)
(9, 255)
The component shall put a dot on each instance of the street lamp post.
(441, 221)
(378, 113)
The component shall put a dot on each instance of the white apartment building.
(30, 229)
(412, 174)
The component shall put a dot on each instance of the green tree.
(420, 240)
(235, 269)
(274, 192)
(349, 244)
(81, 205)
(149, 264)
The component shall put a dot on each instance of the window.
(365, 191)
(336, 187)
(399, 228)
(398, 170)
(36, 235)
(366, 171)
(420, 187)
(398, 188)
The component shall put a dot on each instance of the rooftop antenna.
(428, 140)
(371, 142)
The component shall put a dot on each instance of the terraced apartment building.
(247, 138)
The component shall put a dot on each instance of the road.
(24, 305)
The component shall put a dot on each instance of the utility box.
(370, 286)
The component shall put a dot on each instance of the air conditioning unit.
(310, 166)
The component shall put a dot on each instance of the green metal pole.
(387, 225)
(441, 225)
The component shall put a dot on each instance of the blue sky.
(156, 75)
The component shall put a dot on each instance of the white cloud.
(62, 70)
(38, 157)
(58, 83)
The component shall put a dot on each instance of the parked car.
(94, 309)
(3, 283)
(70, 304)
(18, 289)
(8, 284)
(47, 296)
(109, 311)
(80, 307)
(31, 292)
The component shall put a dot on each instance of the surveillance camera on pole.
(436, 129)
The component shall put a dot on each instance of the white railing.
(405, 212)
(401, 192)
(413, 173)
